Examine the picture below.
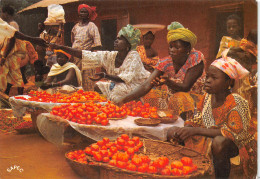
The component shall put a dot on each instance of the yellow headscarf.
(176, 31)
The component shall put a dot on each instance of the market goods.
(77, 97)
(134, 108)
(153, 159)
(25, 127)
(147, 122)
(113, 112)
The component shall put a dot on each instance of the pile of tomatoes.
(134, 108)
(123, 154)
(87, 113)
(76, 97)
(113, 111)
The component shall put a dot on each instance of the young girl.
(222, 123)
(233, 38)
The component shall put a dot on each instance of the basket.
(83, 170)
(155, 149)
(168, 120)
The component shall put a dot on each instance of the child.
(233, 30)
(222, 123)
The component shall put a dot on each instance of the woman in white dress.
(124, 68)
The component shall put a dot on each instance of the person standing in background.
(8, 16)
(85, 36)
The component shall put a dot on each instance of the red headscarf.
(91, 11)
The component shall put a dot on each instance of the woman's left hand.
(158, 81)
(185, 132)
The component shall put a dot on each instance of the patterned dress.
(225, 43)
(150, 62)
(180, 102)
(132, 72)
(10, 71)
(234, 120)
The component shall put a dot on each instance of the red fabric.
(91, 11)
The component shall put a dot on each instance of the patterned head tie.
(91, 11)
(131, 34)
(176, 31)
(231, 67)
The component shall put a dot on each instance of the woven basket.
(84, 170)
(155, 149)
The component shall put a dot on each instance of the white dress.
(132, 72)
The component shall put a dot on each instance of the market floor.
(30, 156)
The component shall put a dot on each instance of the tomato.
(165, 159)
(145, 159)
(140, 144)
(186, 170)
(130, 151)
(187, 161)
(177, 164)
(100, 143)
(106, 159)
(194, 167)
(121, 164)
(136, 140)
(130, 143)
(165, 171)
(142, 169)
(176, 172)
(88, 151)
(120, 141)
(106, 140)
(97, 156)
(119, 147)
(131, 167)
(112, 162)
(104, 153)
(151, 169)
(113, 149)
(94, 147)
(104, 122)
(137, 161)
(125, 137)
(103, 147)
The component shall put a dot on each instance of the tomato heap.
(76, 97)
(113, 111)
(25, 124)
(87, 113)
(123, 154)
(78, 155)
(134, 108)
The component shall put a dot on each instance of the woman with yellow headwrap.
(124, 68)
(180, 71)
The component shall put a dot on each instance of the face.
(177, 50)
(148, 39)
(83, 13)
(62, 59)
(216, 81)
(233, 27)
(121, 44)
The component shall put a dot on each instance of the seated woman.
(148, 55)
(124, 68)
(222, 123)
(62, 73)
(181, 70)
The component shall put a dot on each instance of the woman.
(62, 72)
(181, 70)
(222, 122)
(148, 55)
(124, 68)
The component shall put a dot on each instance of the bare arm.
(142, 89)
(72, 51)
(35, 40)
(190, 78)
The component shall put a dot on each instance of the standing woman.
(182, 71)
(85, 36)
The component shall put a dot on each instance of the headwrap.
(248, 46)
(176, 31)
(91, 11)
(61, 51)
(131, 34)
(231, 67)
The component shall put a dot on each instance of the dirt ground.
(30, 156)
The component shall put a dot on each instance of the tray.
(167, 120)
(147, 122)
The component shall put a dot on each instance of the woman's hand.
(181, 133)
(45, 86)
(158, 81)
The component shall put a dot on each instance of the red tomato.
(100, 143)
(94, 147)
(176, 172)
(187, 161)
(131, 143)
(113, 149)
(194, 167)
(130, 151)
(106, 159)
(177, 164)
(121, 164)
(151, 169)
(112, 162)
(186, 170)
(165, 171)
(104, 153)
(137, 161)
(97, 156)
(145, 159)
(104, 122)
(142, 169)
(136, 140)
(106, 140)
(125, 137)
(120, 141)
(88, 151)
(131, 167)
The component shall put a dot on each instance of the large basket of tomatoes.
(131, 158)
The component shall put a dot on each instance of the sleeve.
(96, 36)
(134, 66)
(94, 59)
(33, 55)
(160, 65)
(222, 46)
(6, 31)
(237, 126)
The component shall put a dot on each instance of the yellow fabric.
(56, 69)
(182, 34)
